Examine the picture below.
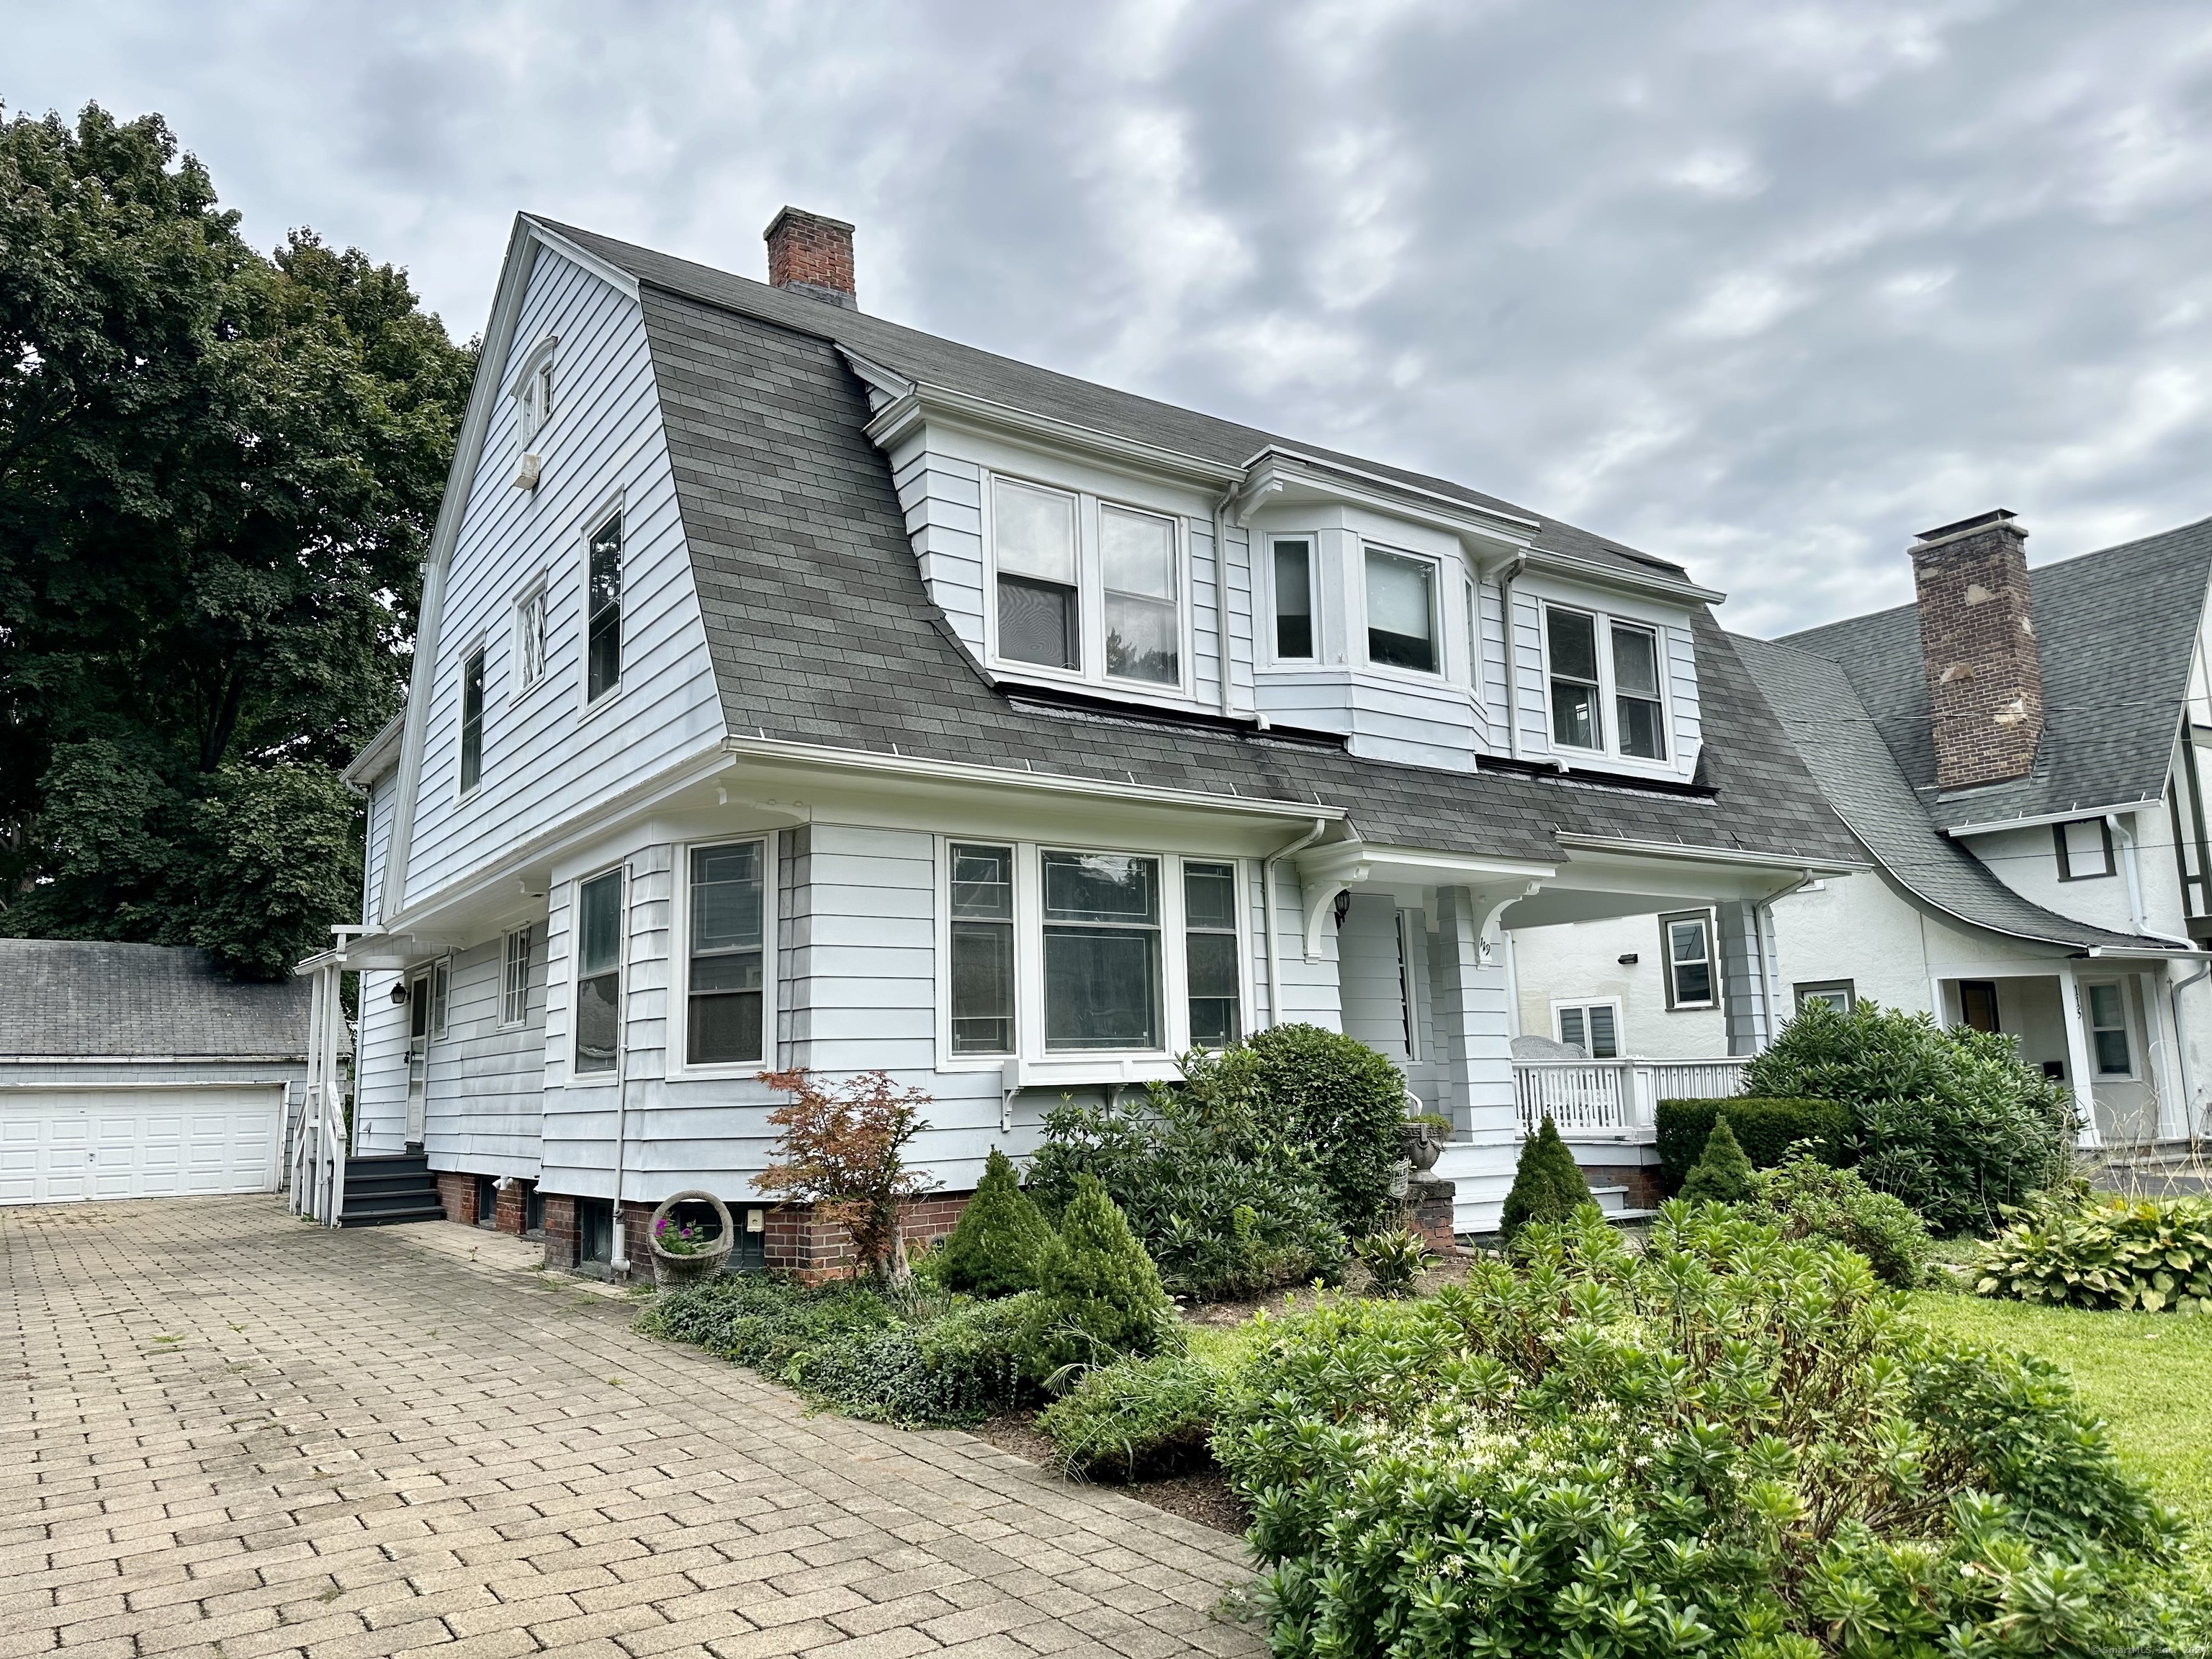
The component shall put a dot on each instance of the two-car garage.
(162, 1141)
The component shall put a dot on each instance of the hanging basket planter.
(682, 1255)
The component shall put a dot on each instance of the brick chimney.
(810, 255)
(1978, 638)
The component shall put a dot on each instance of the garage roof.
(79, 999)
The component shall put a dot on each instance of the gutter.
(1267, 900)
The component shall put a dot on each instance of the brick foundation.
(811, 1250)
(562, 1236)
(510, 1214)
(457, 1195)
(1642, 1180)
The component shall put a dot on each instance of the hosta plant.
(2155, 1254)
(1393, 1259)
(1726, 1445)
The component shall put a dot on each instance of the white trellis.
(318, 1144)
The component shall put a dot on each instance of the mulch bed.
(1200, 1495)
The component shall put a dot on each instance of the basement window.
(2085, 849)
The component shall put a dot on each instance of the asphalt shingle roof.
(2115, 630)
(80, 998)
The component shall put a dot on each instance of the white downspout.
(2173, 990)
(1505, 578)
(1267, 901)
(618, 1247)
(2123, 831)
(1221, 596)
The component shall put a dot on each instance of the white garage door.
(57, 1146)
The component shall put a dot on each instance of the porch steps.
(388, 1189)
(1613, 1201)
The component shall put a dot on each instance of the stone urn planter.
(687, 1263)
(1420, 1147)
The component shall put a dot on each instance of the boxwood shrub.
(1765, 1128)
(1724, 1445)
(2155, 1254)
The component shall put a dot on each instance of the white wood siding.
(1527, 647)
(1682, 686)
(943, 499)
(377, 843)
(485, 1085)
(379, 1106)
(544, 756)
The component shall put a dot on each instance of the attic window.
(533, 393)
(1037, 593)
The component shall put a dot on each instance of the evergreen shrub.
(1765, 1128)
(1723, 1443)
(2153, 1254)
(1345, 1101)
(1952, 1121)
(1098, 1296)
(1809, 1199)
(1723, 1175)
(1547, 1182)
(993, 1248)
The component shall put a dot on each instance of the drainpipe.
(1505, 578)
(2123, 832)
(2173, 990)
(1221, 593)
(618, 1247)
(1267, 900)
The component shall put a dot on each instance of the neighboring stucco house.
(795, 689)
(141, 1070)
(2018, 752)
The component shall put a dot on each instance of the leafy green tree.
(218, 472)
(993, 1249)
(1723, 1173)
(1547, 1182)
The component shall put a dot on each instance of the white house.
(795, 689)
(2017, 754)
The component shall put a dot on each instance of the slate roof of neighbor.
(1840, 743)
(824, 633)
(84, 998)
(2114, 629)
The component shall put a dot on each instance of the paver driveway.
(223, 1432)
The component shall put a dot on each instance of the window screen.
(1034, 537)
(1572, 638)
(603, 633)
(1591, 1028)
(472, 721)
(1144, 635)
(726, 956)
(1636, 692)
(1402, 620)
(1102, 952)
(982, 950)
(1294, 607)
(599, 971)
(1687, 945)
(515, 988)
(1209, 904)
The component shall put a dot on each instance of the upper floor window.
(1294, 598)
(1590, 654)
(472, 677)
(529, 638)
(1039, 606)
(1685, 947)
(533, 394)
(1401, 611)
(1144, 626)
(602, 611)
(599, 971)
(2085, 849)
(727, 956)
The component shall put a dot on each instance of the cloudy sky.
(1762, 285)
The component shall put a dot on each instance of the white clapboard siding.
(942, 498)
(1309, 988)
(1490, 714)
(1527, 647)
(1241, 634)
(544, 756)
(379, 1106)
(379, 842)
(1682, 683)
(483, 1088)
(1368, 976)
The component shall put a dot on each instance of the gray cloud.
(1765, 287)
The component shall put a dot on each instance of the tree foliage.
(218, 471)
(1345, 1100)
(1548, 1185)
(843, 1150)
(1099, 1297)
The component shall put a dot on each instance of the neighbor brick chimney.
(810, 255)
(1977, 638)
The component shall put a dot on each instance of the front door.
(418, 1054)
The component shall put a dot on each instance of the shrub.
(1223, 1202)
(1098, 1295)
(1724, 1443)
(2155, 1254)
(1954, 1122)
(1808, 1199)
(993, 1249)
(842, 1151)
(764, 1322)
(1765, 1130)
(1347, 1102)
(1724, 1174)
(1547, 1182)
(1393, 1259)
(1137, 1418)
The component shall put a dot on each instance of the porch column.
(1743, 978)
(1471, 1018)
(2163, 1039)
(2081, 1068)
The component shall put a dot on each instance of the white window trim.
(2134, 1072)
(608, 507)
(1620, 1030)
(538, 591)
(440, 982)
(1611, 755)
(578, 1079)
(1312, 539)
(1805, 990)
(1091, 596)
(1041, 1067)
(477, 647)
(679, 957)
(519, 387)
(1438, 631)
(1712, 919)
(536, 930)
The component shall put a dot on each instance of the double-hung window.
(1209, 920)
(534, 395)
(599, 971)
(1102, 952)
(514, 985)
(602, 611)
(1685, 947)
(1040, 610)
(726, 956)
(1592, 1027)
(1401, 611)
(441, 979)
(2108, 1030)
(472, 677)
(1588, 653)
(1144, 625)
(1294, 598)
(529, 640)
(982, 965)
(1837, 994)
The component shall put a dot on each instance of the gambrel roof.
(2115, 631)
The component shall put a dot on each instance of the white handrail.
(1616, 1095)
(319, 1149)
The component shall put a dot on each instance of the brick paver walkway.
(225, 1432)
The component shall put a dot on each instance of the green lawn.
(2148, 1375)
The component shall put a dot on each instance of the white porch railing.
(1616, 1095)
(318, 1149)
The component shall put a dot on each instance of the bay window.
(1294, 599)
(1144, 630)
(1401, 611)
(599, 971)
(1594, 661)
(1209, 920)
(1034, 533)
(726, 958)
(1102, 952)
(982, 965)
